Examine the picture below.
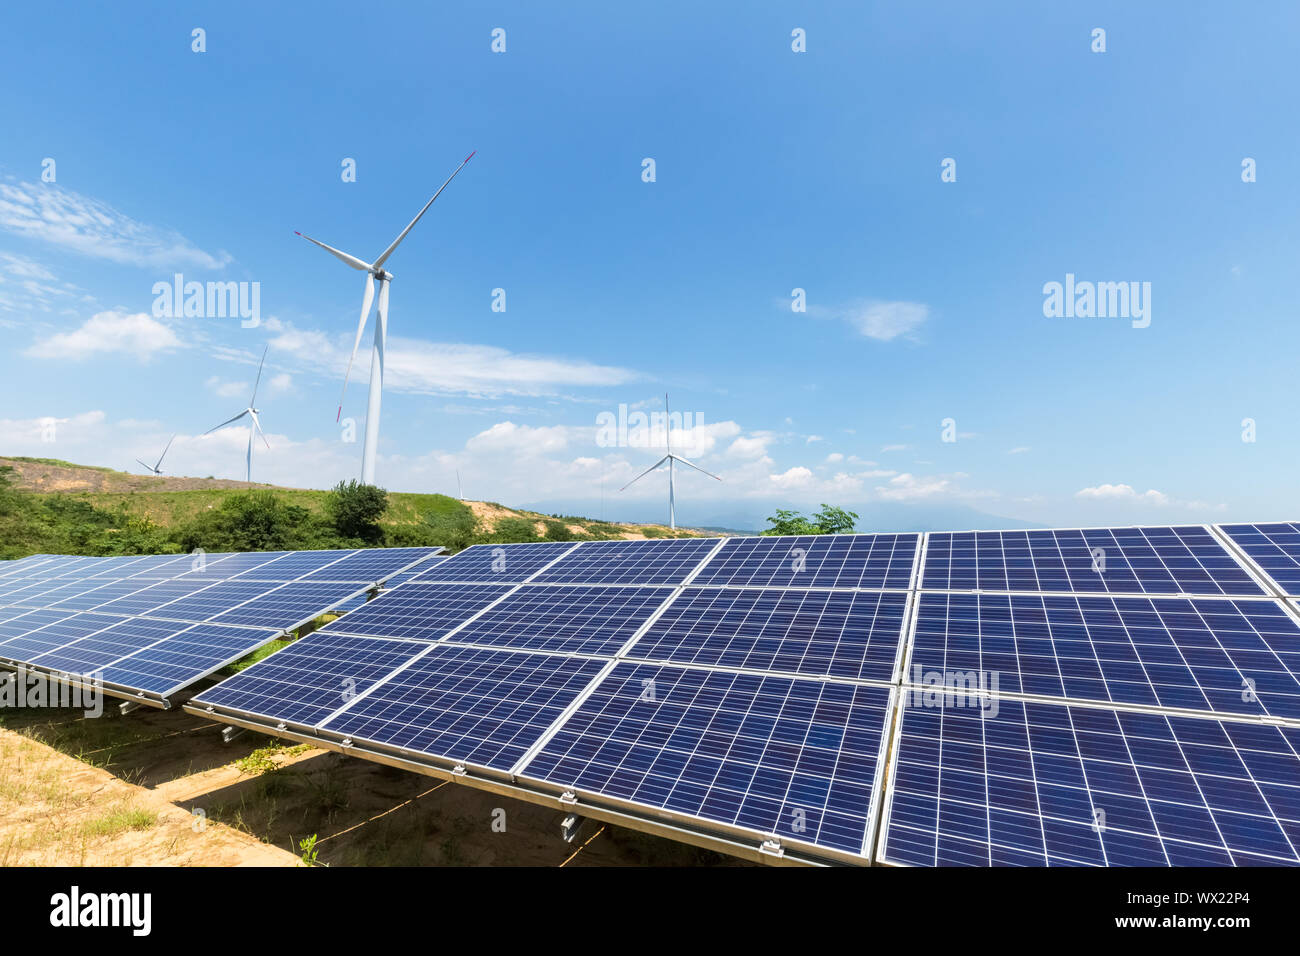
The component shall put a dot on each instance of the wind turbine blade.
(361, 328)
(644, 473)
(258, 381)
(146, 467)
(164, 454)
(353, 261)
(389, 251)
(226, 422)
(258, 426)
(668, 424)
(695, 466)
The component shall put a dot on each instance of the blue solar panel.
(288, 605)
(144, 597)
(481, 707)
(310, 679)
(187, 656)
(496, 563)
(1274, 547)
(1039, 784)
(418, 610)
(54, 635)
(65, 591)
(567, 618)
(222, 567)
(28, 621)
(211, 601)
(366, 567)
(853, 634)
(814, 561)
(89, 654)
(1152, 560)
(796, 758)
(1218, 655)
(656, 561)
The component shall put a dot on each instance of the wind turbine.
(375, 270)
(254, 426)
(670, 458)
(157, 469)
(460, 492)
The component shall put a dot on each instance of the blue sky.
(774, 170)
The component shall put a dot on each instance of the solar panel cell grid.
(418, 610)
(310, 679)
(477, 706)
(569, 619)
(496, 563)
(1152, 560)
(797, 758)
(659, 561)
(288, 605)
(1216, 655)
(1274, 547)
(369, 566)
(213, 600)
(1048, 784)
(90, 654)
(849, 634)
(814, 561)
(54, 635)
(190, 654)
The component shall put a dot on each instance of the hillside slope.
(170, 501)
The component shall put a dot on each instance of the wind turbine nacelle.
(382, 275)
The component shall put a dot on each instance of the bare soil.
(122, 790)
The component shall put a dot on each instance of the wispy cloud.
(50, 213)
(109, 332)
(876, 319)
(439, 368)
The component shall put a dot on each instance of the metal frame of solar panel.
(1224, 660)
(560, 603)
(123, 624)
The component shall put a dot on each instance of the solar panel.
(289, 605)
(54, 635)
(1150, 560)
(467, 705)
(567, 619)
(186, 656)
(655, 561)
(28, 621)
(376, 564)
(1275, 547)
(89, 654)
(397, 579)
(145, 597)
(311, 678)
(496, 563)
(213, 600)
(814, 561)
(1211, 654)
(1047, 784)
(850, 634)
(418, 610)
(767, 755)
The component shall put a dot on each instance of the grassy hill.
(52, 503)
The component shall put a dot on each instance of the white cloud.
(1123, 492)
(834, 457)
(792, 478)
(884, 321)
(525, 441)
(50, 213)
(228, 389)
(114, 332)
(281, 383)
(1020, 450)
(749, 446)
(441, 368)
(895, 447)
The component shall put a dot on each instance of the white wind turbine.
(157, 468)
(670, 458)
(254, 426)
(375, 270)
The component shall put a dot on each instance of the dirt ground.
(161, 788)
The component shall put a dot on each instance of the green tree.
(356, 509)
(830, 520)
(454, 530)
(252, 521)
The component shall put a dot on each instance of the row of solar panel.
(771, 752)
(1186, 560)
(172, 621)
